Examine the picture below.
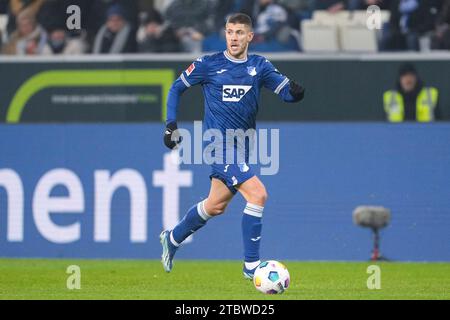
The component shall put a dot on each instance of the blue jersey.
(231, 89)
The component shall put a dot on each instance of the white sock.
(202, 211)
(172, 240)
(252, 265)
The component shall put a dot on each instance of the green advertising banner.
(134, 89)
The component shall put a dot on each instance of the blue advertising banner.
(107, 191)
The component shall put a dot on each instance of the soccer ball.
(271, 277)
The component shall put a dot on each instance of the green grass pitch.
(216, 280)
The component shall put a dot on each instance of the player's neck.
(240, 58)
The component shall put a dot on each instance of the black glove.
(296, 90)
(171, 136)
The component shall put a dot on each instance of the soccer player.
(231, 82)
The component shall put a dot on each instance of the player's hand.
(171, 136)
(296, 90)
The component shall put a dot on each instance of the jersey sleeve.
(273, 79)
(196, 73)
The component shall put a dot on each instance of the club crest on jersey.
(190, 69)
(252, 71)
(243, 167)
(234, 93)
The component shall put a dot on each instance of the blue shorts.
(232, 175)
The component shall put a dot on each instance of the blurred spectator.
(3, 10)
(364, 4)
(272, 31)
(220, 11)
(331, 6)
(146, 5)
(301, 9)
(157, 36)
(95, 15)
(441, 35)
(159, 5)
(130, 9)
(191, 20)
(270, 19)
(17, 6)
(411, 101)
(410, 19)
(60, 43)
(52, 13)
(4, 6)
(116, 35)
(29, 38)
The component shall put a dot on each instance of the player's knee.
(259, 197)
(265, 196)
(262, 196)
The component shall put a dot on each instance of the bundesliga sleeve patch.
(190, 69)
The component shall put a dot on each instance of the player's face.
(238, 37)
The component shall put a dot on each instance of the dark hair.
(115, 9)
(153, 16)
(407, 68)
(241, 18)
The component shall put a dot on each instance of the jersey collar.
(225, 53)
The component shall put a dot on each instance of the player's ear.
(250, 36)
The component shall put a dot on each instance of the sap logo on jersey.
(234, 93)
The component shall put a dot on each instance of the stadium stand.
(303, 25)
(3, 23)
(342, 31)
(319, 37)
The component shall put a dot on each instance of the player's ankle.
(173, 243)
(252, 265)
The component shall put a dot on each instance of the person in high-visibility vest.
(411, 100)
